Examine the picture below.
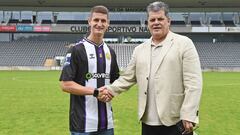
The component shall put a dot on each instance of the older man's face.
(158, 24)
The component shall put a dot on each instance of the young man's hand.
(104, 94)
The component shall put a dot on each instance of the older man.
(168, 74)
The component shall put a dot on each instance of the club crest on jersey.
(108, 56)
(91, 56)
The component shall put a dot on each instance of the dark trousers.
(160, 130)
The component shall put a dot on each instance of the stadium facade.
(37, 36)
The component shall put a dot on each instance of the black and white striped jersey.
(92, 65)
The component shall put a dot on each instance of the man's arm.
(74, 88)
(126, 79)
(123, 83)
(192, 80)
(69, 73)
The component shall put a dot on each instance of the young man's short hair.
(99, 9)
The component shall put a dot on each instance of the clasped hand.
(104, 94)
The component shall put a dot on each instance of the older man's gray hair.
(157, 6)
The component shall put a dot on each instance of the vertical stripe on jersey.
(92, 110)
(102, 123)
(91, 102)
(108, 59)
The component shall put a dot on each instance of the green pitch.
(31, 103)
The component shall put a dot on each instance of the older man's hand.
(104, 94)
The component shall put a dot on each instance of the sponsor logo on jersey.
(97, 76)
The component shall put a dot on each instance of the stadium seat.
(214, 18)
(229, 23)
(72, 22)
(13, 21)
(228, 19)
(178, 19)
(25, 21)
(196, 18)
(46, 22)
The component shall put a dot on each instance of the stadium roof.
(140, 4)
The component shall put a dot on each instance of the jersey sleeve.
(70, 65)
(114, 73)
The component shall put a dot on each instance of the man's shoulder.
(80, 42)
(182, 40)
(79, 45)
(180, 37)
(144, 44)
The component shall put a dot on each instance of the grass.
(31, 103)
(219, 110)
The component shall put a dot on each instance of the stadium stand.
(219, 54)
(72, 18)
(182, 19)
(35, 53)
(228, 19)
(1, 17)
(30, 53)
(124, 53)
(196, 18)
(212, 55)
(133, 18)
(214, 18)
(13, 21)
(179, 19)
(45, 17)
(215, 34)
(26, 17)
(14, 17)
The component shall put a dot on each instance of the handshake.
(104, 94)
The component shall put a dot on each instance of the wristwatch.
(95, 92)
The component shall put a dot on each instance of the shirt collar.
(93, 43)
(165, 41)
(156, 45)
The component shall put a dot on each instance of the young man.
(168, 73)
(91, 64)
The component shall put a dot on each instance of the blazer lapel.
(167, 44)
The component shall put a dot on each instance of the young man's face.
(99, 23)
(158, 24)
